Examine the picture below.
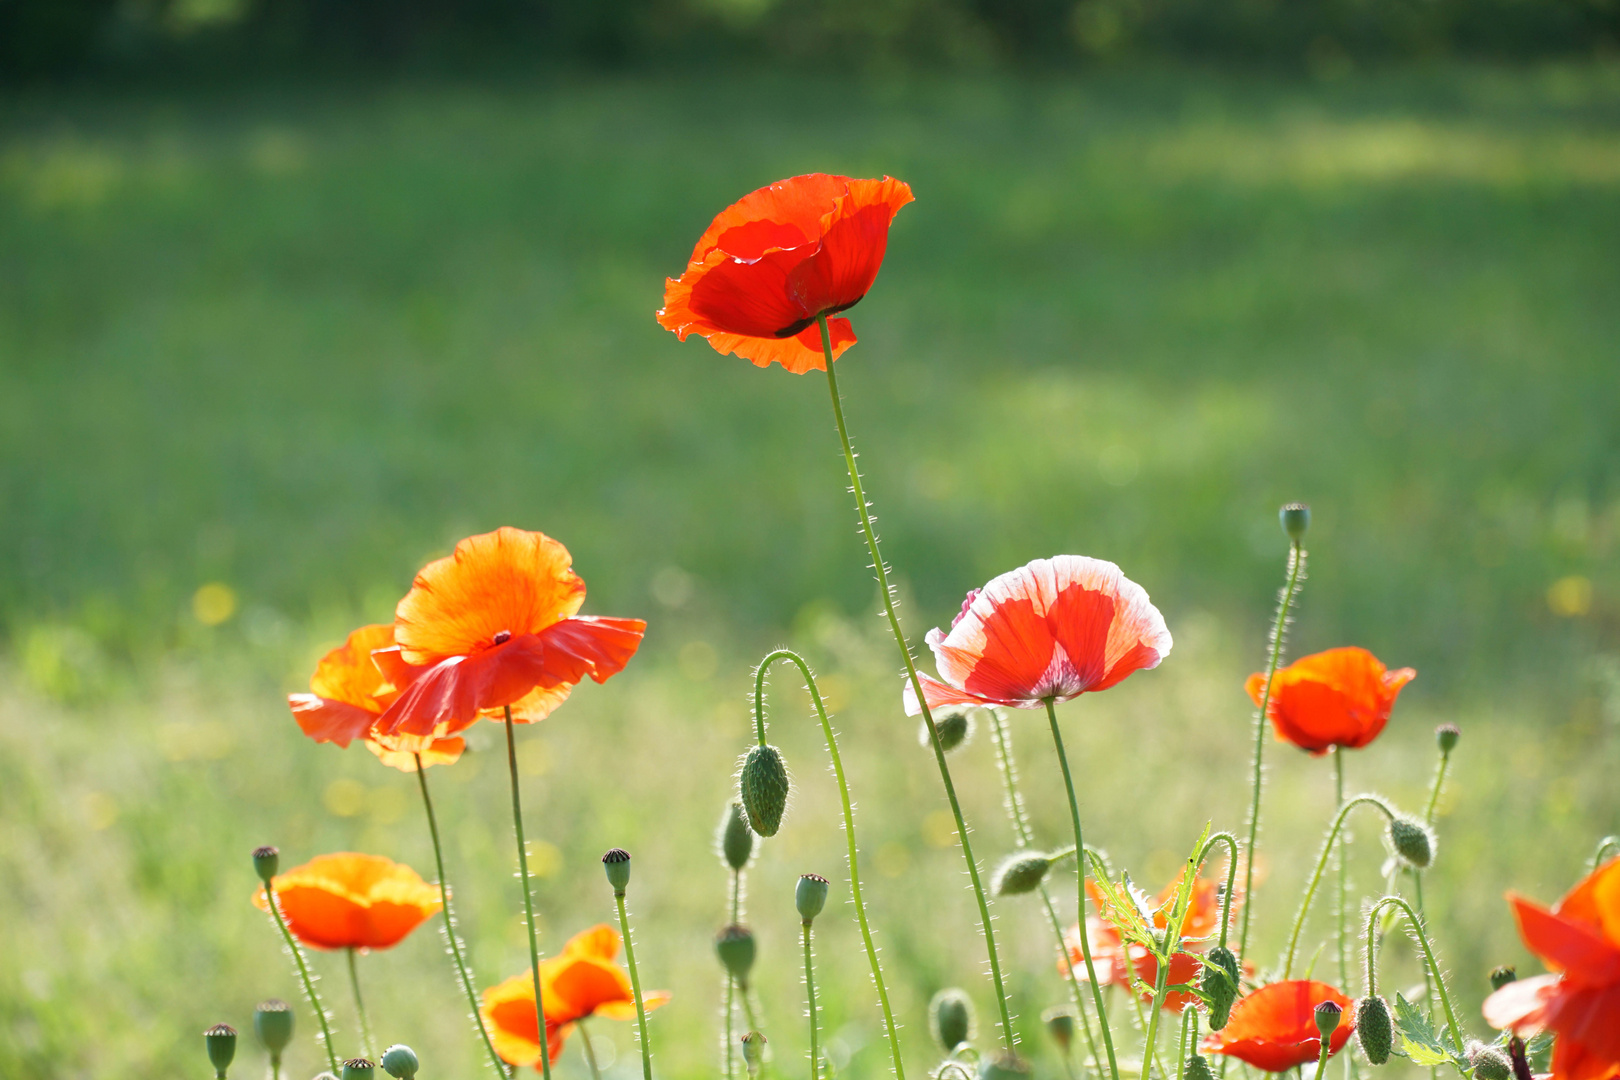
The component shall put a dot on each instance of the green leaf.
(1417, 1038)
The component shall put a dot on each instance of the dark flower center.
(503, 636)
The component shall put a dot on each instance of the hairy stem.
(1433, 967)
(528, 896)
(1606, 845)
(810, 996)
(1341, 929)
(368, 1045)
(1321, 865)
(590, 1051)
(635, 985)
(303, 974)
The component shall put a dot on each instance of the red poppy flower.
(1056, 628)
(348, 693)
(494, 624)
(1341, 697)
(351, 901)
(580, 982)
(1579, 938)
(774, 261)
(1274, 1028)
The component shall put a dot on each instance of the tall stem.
(1433, 967)
(1321, 865)
(852, 854)
(1080, 874)
(303, 973)
(731, 983)
(590, 1051)
(810, 996)
(367, 1044)
(528, 897)
(1150, 1044)
(1296, 566)
(916, 686)
(450, 922)
(1340, 928)
(635, 985)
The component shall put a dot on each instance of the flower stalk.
(1321, 865)
(1431, 965)
(617, 864)
(528, 897)
(367, 1044)
(274, 904)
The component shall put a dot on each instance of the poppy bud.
(1446, 736)
(221, 1042)
(1489, 1063)
(400, 1061)
(358, 1069)
(1520, 1059)
(736, 838)
(1501, 976)
(950, 1018)
(1374, 1028)
(810, 896)
(266, 861)
(1220, 983)
(617, 864)
(764, 788)
(1412, 841)
(1198, 1069)
(735, 947)
(1059, 1022)
(1003, 1066)
(273, 1022)
(955, 727)
(1327, 1018)
(1019, 873)
(753, 1045)
(1295, 518)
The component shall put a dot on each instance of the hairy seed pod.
(1489, 1063)
(1198, 1069)
(1003, 1066)
(735, 947)
(1060, 1022)
(273, 1023)
(399, 1061)
(810, 896)
(1220, 981)
(950, 1018)
(358, 1069)
(616, 864)
(266, 861)
(736, 839)
(221, 1043)
(1375, 1028)
(1412, 841)
(1019, 873)
(1295, 519)
(955, 727)
(1446, 736)
(764, 787)
(1501, 976)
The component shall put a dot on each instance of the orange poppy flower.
(348, 693)
(352, 901)
(1057, 628)
(1579, 938)
(774, 261)
(1341, 697)
(580, 982)
(1274, 1028)
(493, 625)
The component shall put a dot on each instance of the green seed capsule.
(358, 1069)
(1375, 1029)
(764, 787)
(736, 839)
(1019, 873)
(753, 1045)
(1220, 981)
(1446, 736)
(617, 865)
(1060, 1022)
(400, 1061)
(810, 896)
(1327, 1018)
(1501, 976)
(1412, 841)
(735, 947)
(266, 860)
(221, 1042)
(1295, 519)
(273, 1023)
(950, 1018)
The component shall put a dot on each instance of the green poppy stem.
(635, 985)
(590, 1051)
(1342, 898)
(367, 1044)
(528, 896)
(810, 997)
(1605, 846)
(274, 905)
(1321, 865)
(1432, 966)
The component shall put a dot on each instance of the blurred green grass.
(295, 342)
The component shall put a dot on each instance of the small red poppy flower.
(495, 625)
(1579, 938)
(1341, 697)
(351, 901)
(1056, 628)
(774, 261)
(1274, 1028)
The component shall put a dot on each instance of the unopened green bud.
(735, 947)
(266, 861)
(221, 1042)
(1375, 1028)
(764, 787)
(617, 864)
(811, 896)
(358, 1069)
(1446, 736)
(1296, 519)
(1019, 873)
(1198, 1069)
(1501, 976)
(950, 1018)
(273, 1023)
(955, 727)
(1003, 1066)
(1327, 1018)
(753, 1045)
(736, 838)
(1489, 1063)
(1412, 841)
(1220, 982)
(400, 1061)
(1060, 1023)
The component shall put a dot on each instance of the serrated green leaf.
(1417, 1038)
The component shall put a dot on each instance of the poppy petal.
(1339, 697)
(325, 720)
(1578, 949)
(349, 900)
(939, 694)
(799, 202)
(1521, 1005)
(1274, 1028)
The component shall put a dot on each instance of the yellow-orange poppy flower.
(1341, 697)
(351, 901)
(582, 981)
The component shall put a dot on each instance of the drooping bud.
(1296, 519)
(1220, 981)
(764, 787)
(753, 1045)
(1003, 1066)
(273, 1023)
(617, 864)
(1021, 872)
(950, 1018)
(811, 896)
(400, 1061)
(1520, 1058)
(358, 1069)
(1446, 736)
(266, 861)
(1375, 1028)
(736, 839)
(1060, 1023)
(1489, 1063)
(221, 1042)
(735, 947)
(1198, 1069)
(1501, 976)
(955, 727)
(1327, 1018)
(1412, 841)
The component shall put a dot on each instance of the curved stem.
(1341, 898)
(1321, 864)
(1080, 845)
(528, 895)
(590, 1051)
(1296, 567)
(368, 1045)
(852, 855)
(887, 593)
(1606, 845)
(1231, 875)
(1151, 1043)
(810, 994)
(303, 973)
(1433, 968)
(635, 985)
